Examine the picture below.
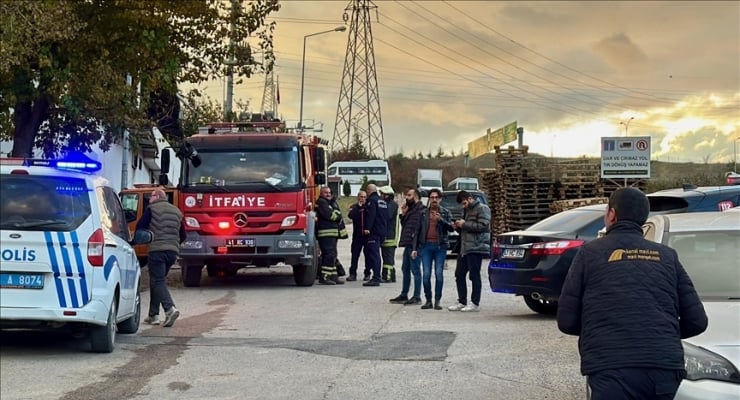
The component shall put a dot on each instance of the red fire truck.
(247, 191)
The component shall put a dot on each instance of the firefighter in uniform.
(327, 232)
(374, 230)
(388, 247)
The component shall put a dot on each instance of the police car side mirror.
(142, 236)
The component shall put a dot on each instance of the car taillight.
(95, 246)
(495, 249)
(554, 248)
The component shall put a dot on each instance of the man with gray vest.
(165, 222)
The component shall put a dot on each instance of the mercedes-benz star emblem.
(240, 219)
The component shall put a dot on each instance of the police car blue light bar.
(76, 162)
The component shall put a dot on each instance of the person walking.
(410, 221)
(631, 302)
(388, 247)
(375, 231)
(164, 220)
(327, 232)
(475, 242)
(357, 215)
(431, 244)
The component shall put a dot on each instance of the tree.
(346, 189)
(76, 72)
(440, 152)
(357, 149)
(452, 153)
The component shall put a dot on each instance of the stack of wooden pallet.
(492, 183)
(577, 179)
(525, 188)
(527, 185)
(562, 205)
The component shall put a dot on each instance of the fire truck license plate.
(241, 242)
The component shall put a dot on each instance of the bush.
(346, 189)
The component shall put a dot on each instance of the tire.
(131, 325)
(191, 274)
(103, 338)
(544, 307)
(305, 275)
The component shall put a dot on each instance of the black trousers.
(328, 246)
(356, 248)
(468, 265)
(372, 256)
(635, 384)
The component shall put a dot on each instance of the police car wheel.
(103, 338)
(541, 306)
(131, 325)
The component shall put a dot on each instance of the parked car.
(449, 201)
(533, 263)
(707, 245)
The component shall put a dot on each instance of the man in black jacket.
(631, 302)
(411, 264)
(357, 215)
(375, 231)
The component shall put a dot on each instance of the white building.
(125, 168)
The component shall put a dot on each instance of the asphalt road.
(258, 336)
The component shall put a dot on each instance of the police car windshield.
(710, 259)
(30, 202)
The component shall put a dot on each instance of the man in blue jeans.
(431, 242)
(475, 242)
(410, 221)
(165, 222)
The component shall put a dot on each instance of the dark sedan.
(534, 262)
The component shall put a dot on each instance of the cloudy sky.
(567, 72)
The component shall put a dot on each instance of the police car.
(65, 251)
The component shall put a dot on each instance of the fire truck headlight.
(288, 221)
(192, 244)
(290, 244)
(192, 222)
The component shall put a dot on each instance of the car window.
(30, 202)
(710, 259)
(570, 221)
(449, 200)
(111, 212)
(130, 201)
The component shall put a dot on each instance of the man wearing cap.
(388, 247)
(630, 302)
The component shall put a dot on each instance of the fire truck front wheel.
(191, 274)
(305, 274)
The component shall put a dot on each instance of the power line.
(548, 58)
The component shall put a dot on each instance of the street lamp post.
(303, 67)
(626, 125)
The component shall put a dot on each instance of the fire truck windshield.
(263, 170)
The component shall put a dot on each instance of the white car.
(708, 246)
(65, 252)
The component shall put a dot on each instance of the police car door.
(117, 249)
